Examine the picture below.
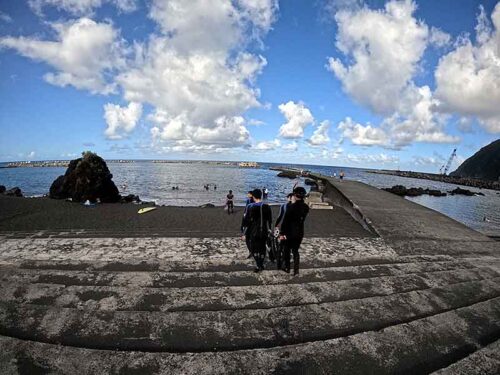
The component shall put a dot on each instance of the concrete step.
(196, 331)
(485, 361)
(457, 247)
(417, 347)
(180, 250)
(219, 265)
(159, 279)
(204, 298)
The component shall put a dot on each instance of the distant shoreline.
(65, 163)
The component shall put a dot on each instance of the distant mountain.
(484, 164)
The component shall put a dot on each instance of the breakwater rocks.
(415, 192)
(290, 172)
(459, 191)
(472, 182)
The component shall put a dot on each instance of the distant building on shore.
(248, 164)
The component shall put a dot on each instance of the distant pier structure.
(34, 164)
(52, 163)
(248, 164)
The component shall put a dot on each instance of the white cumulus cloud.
(267, 145)
(439, 38)
(80, 7)
(385, 48)
(224, 132)
(197, 73)
(362, 135)
(195, 70)
(84, 52)
(320, 136)
(468, 77)
(298, 117)
(121, 120)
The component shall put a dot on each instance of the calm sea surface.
(154, 181)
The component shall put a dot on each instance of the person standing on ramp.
(279, 220)
(258, 220)
(248, 202)
(292, 229)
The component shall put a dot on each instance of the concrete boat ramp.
(417, 293)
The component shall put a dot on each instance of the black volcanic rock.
(484, 164)
(310, 182)
(435, 193)
(2, 189)
(397, 189)
(288, 174)
(402, 191)
(130, 198)
(460, 191)
(87, 177)
(14, 192)
(414, 192)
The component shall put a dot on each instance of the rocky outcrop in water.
(484, 164)
(310, 182)
(288, 174)
(87, 178)
(402, 191)
(466, 192)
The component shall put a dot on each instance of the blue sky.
(367, 84)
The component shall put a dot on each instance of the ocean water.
(154, 182)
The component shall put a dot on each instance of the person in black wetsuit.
(265, 192)
(292, 229)
(277, 225)
(229, 202)
(248, 202)
(258, 220)
(283, 209)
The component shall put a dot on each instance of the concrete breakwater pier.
(391, 287)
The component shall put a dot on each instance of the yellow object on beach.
(147, 209)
